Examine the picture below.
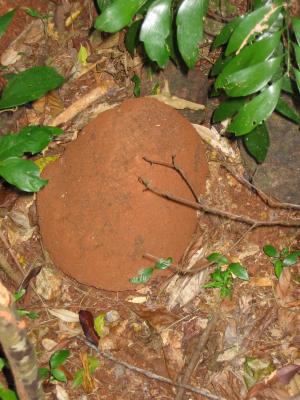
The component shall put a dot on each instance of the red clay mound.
(96, 219)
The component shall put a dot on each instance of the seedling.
(222, 277)
(54, 373)
(21, 311)
(281, 259)
(145, 274)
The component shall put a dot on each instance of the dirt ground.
(170, 331)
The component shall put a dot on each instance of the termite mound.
(95, 217)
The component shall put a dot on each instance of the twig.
(152, 375)
(268, 200)
(174, 166)
(216, 211)
(196, 355)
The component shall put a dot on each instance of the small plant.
(21, 311)
(54, 372)
(6, 394)
(145, 274)
(222, 277)
(92, 364)
(281, 259)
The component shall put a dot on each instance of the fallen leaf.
(87, 323)
(64, 315)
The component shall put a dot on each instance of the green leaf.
(78, 378)
(253, 54)
(117, 15)
(253, 23)
(102, 4)
(213, 285)
(297, 76)
(58, 375)
(248, 80)
(2, 363)
(189, 21)
(287, 84)
(19, 294)
(143, 276)
(225, 292)
(296, 28)
(219, 65)
(257, 142)
(297, 53)
(25, 313)
(137, 85)
(99, 323)
(33, 13)
(226, 32)
(29, 85)
(227, 109)
(256, 111)
(155, 31)
(82, 55)
(7, 394)
(5, 20)
(291, 259)
(285, 109)
(238, 270)
(217, 258)
(44, 373)
(163, 263)
(270, 251)
(132, 36)
(278, 267)
(23, 174)
(58, 358)
(31, 139)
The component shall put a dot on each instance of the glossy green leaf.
(256, 111)
(132, 36)
(248, 80)
(58, 358)
(59, 375)
(163, 263)
(296, 28)
(253, 54)
(217, 258)
(143, 276)
(19, 294)
(189, 23)
(253, 23)
(226, 32)
(117, 15)
(7, 394)
(291, 259)
(44, 373)
(33, 13)
(219, 65)
(145, 7)
(278, 267)
(31, 139)
(29, 85)
(285, 109)
(270, 251)
(297, 76)
(239, 271)
(257, 142)
(5, 20)
(297, 54)
(102, 4)
(155, 31)
(287, 84)
(23, 174)
(227, 109)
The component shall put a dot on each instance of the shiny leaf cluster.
(222, 277)
(145, 274)
(281, 259)
(55, 372)
(20, 172)
(261, 60)
(158, 24)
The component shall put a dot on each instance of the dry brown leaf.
(88, 381)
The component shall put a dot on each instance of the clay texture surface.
(96, 220)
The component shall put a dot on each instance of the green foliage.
(29, 85)
(93, 364)
(34, 13)
(145, 274)
(137, 85)
(5, 20)
(281, 259)
(156, 23)
(54, 373)
(255, 69)
(6, 394)
(21, 312)
(24, 174)
(222, 278)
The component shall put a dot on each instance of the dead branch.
(18, 350)
(215, 211)
(152, 375)
(198, 350)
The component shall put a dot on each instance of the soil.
(96, 219)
